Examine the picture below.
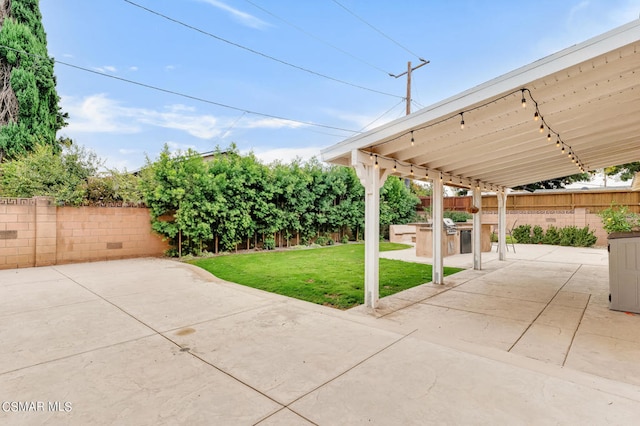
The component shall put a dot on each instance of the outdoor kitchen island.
(456, 238)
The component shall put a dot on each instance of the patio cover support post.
(502, 224)
(372, 178)
(477, 230)
(437, 214)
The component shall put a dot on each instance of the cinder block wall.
(17, 232)
(103, 233)
(34, 232)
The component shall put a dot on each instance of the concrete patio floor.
(150, 341)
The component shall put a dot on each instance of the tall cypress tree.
(29, 104)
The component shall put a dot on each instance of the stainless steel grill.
(450, 226)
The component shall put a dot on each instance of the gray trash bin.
(624, 271)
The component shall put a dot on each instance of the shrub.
(567, 235)
(522, 234)
(552, 236)
(330, 241)
(322, 240)
(344, 240)
(457, 216)
(584, 237)
(538, 235)
(619, 219)
(269, 244)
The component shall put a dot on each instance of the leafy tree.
(397, 203)
(557, 183)
(29, 110)
(626, 171)
(43, 172)
(421, 189)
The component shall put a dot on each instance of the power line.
(377, 30)
(184, 95)
(382, 115)
(264, 55)
(302, 30)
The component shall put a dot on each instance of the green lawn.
(332, 276)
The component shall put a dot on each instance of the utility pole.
(408, 73)
(407, 182)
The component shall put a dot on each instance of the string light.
(371, 156)
(537, 117)
(395, 169)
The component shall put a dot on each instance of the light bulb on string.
(558, 143)
(569, 154)
(461, 121)
(413, 142)
(562, 149)
(376, 165)
(395, 169)
(524, 101)
(412, 170)
(371, 156)
(536, 116)
(548, 137)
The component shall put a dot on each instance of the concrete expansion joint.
(545, 308)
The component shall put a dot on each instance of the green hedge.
(567, 236)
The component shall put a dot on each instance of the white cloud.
(272, 123)
(174, 147)
(180, 108)
(200, 126)
(576, 10)
(369, 121)
(100, 114)
(285, 155)
(125, 151)
(134, 68)
(106, 69)
(240, 16)
(97, 114)
(169, 67)
(588, 19)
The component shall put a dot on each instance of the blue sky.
(466, 41)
